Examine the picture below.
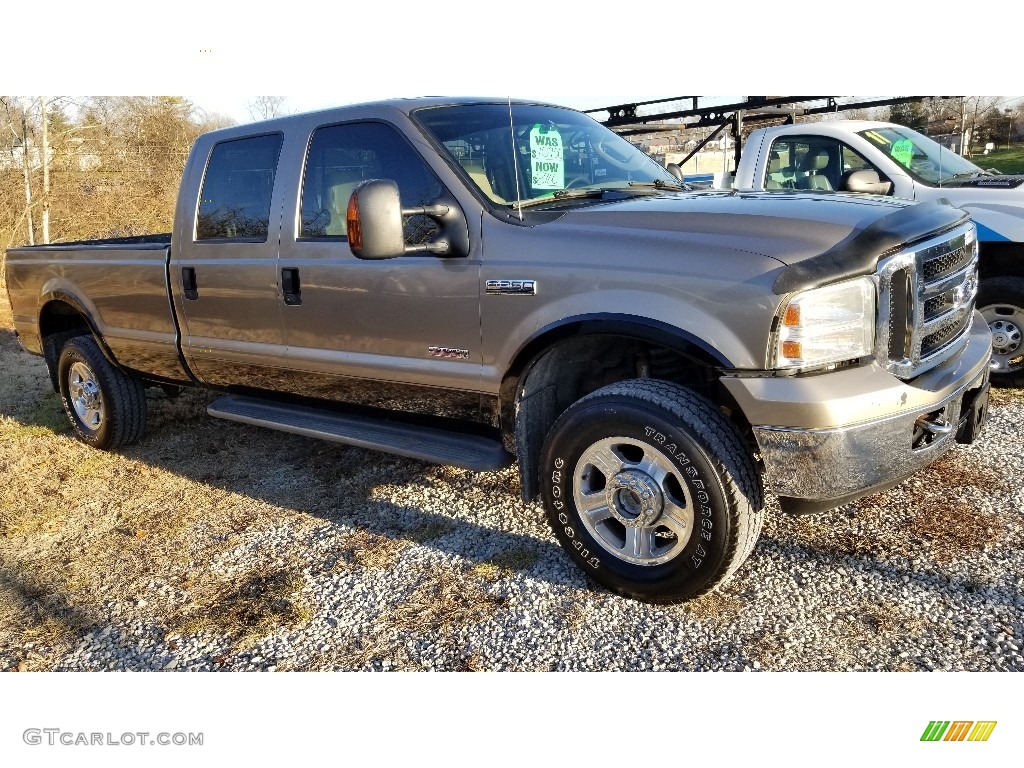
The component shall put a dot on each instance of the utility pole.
(46, 173)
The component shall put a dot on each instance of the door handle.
(188, 283)
(290, 286)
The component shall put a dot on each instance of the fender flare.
(524, 427)
(65, 297)
(612, 324)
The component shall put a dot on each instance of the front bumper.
(872, 431)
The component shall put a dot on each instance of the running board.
(437, 446)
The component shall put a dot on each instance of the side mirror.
(675, 170)
(375, 227)
(865, 181)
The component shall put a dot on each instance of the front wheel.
(106, 407)
(1001, 303)
(650, 489)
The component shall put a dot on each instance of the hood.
(821, 237)
(789, 227)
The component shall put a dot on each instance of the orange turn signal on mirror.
(792, 349)
(355, 232)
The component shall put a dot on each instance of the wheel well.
(1001, 260)
(58, 322)
(571, 368)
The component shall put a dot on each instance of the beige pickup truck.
(477, 282)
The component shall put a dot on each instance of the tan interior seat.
(812, 167)
(339, 190)
(774, 171)
(478, 174)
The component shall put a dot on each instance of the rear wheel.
(106, 407)
(1001, 302)
(650, 489)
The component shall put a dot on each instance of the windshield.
(553, 149)
(924, 159)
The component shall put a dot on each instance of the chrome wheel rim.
(1005, 322)
(86, 398)
(633, 500)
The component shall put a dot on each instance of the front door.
(400, 333)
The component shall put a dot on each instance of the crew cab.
(476, 282)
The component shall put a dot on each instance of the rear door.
(225, 273)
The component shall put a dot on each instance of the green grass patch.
(1004, 160)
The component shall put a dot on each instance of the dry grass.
(953, 529)
(6, 316)
(154, 524)
(505, 563)
(243, 608)
(368, 550)
(80, 528)
(718, 607)
(441, 605)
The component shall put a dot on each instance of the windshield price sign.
(548, 168)
(902, 152)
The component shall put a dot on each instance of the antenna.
(515, 158)
(940, 162)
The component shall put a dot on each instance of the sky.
(323, 54)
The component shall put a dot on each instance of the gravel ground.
(216, 546)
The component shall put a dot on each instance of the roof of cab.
(401, 105)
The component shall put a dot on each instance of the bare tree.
(266, 107)
(45, 142)
(16, 112)
(109, 167)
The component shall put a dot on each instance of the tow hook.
(936, 428)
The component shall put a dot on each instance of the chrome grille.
(944, 263)
(947, 333)
(926, 301)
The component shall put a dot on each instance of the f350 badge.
(449, 352)
(512, 287)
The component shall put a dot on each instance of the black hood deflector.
(859, 253)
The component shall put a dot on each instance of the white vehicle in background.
(887, 159)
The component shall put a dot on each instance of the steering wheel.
(605, 147)
(576, 181)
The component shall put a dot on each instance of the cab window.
(811, 162)
(341, 157)
(235, 200)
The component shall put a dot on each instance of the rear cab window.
(234, 203)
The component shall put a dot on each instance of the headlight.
(826, 325)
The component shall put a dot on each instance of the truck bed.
(125, 281)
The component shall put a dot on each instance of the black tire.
(106, 407)
(1001, 301)
(678, 506)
